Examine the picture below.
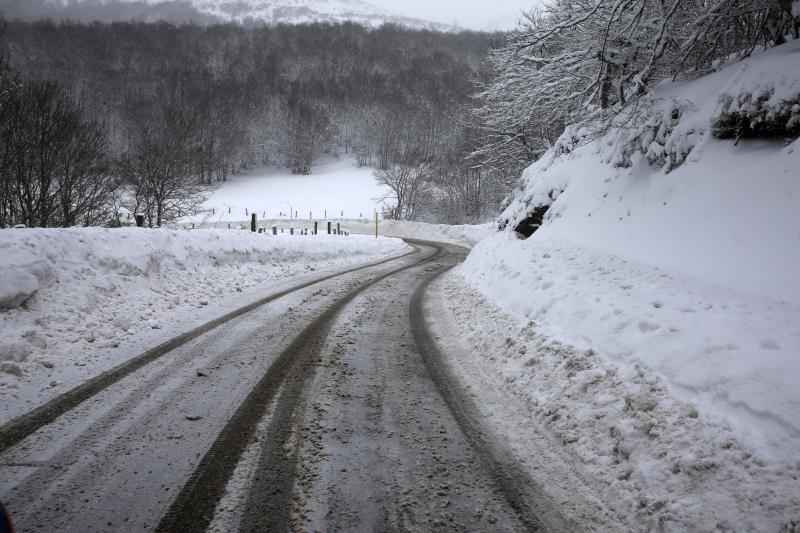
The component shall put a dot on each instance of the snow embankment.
(671, 256)
(75, 302)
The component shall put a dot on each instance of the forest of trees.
(160, 112)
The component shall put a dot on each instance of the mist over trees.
(182, 107)
(178, 11)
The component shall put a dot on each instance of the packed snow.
(76, 302)
(653, 318)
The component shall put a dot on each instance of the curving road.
(325, 407)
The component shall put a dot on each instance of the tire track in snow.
(193, 508)
(17, 429)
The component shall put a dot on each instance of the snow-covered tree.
(580, 62)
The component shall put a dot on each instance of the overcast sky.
(476, 14)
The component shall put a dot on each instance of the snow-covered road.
(317, 408)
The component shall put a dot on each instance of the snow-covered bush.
(757, 115)
(656, 131)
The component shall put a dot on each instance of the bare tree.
(52, 159)
(409, 188)
(161, 169)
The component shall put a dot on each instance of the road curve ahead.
(316, 411)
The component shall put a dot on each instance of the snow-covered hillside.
(297, 12)
(665, 274)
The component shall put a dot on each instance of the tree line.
(145, 117)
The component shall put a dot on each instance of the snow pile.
(75, 302)
(588, 429)
(674, 262)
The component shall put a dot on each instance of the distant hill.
(250, 12)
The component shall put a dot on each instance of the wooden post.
(376, 224)
(315, 227)
(274, 230)
(326, 214)
(309, 215)
(329, 227)
(139, 221)
(291, 231)
(338, 229)
(253, 223)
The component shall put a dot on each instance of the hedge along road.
(327, 384)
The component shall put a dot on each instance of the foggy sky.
(474, 14)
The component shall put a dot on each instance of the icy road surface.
(327, 408)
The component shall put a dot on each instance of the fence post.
(329, 227)
(315, 227)
(274, 230)
(139, 221)
(338, 229)
(253, 223)
(291, 231)
(376, 224)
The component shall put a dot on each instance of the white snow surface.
(336, 188)
(76, 302)
(684, 263)
(610, 443)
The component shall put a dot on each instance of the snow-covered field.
(653, 322)
(76, 302)
(337, 188)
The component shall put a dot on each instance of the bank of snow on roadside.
(75, 302)
(670, 257)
